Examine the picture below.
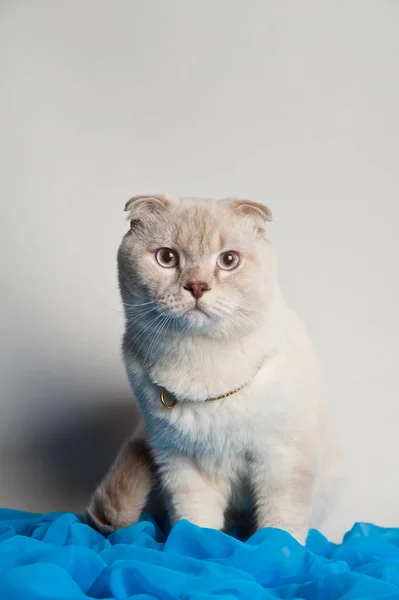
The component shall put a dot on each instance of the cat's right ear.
(142, 207)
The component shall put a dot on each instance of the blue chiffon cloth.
(57, 556)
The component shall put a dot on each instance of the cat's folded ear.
(260, 212)
(141, 207)
(247, 207)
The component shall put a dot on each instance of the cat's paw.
(103, 516)
(100, 516)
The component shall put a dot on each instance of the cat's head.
(202, 266)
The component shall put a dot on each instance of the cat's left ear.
(260, 212)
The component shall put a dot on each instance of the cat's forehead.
(201, 225)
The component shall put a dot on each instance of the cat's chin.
(196, 316)
(199, 322)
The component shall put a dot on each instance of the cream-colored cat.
(227, 380)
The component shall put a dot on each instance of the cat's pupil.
(228, 260)
(167, 256)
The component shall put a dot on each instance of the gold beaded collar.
(174, 402)
(166, 405)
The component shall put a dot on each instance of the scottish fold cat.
(230, 391)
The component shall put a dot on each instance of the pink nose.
(197, 288)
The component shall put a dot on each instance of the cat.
(231, 393)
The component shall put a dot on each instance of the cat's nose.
(197, 288)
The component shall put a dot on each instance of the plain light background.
(291, 103)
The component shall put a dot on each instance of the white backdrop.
(290, 103)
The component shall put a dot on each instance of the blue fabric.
(57, 556)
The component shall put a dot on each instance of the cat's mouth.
(196, 312)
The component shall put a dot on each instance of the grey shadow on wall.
(71, 453)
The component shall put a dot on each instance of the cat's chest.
(221, 433)
(214, 435)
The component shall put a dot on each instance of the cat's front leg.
(283, 496)
(193, 494)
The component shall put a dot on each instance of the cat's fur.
(267, 447)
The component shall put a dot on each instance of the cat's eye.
(228, 260)
(167, 258)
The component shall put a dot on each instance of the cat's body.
(266, 447)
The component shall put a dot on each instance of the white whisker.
(148, 327)
(157, 334)
(139, 314)
(139, 303)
